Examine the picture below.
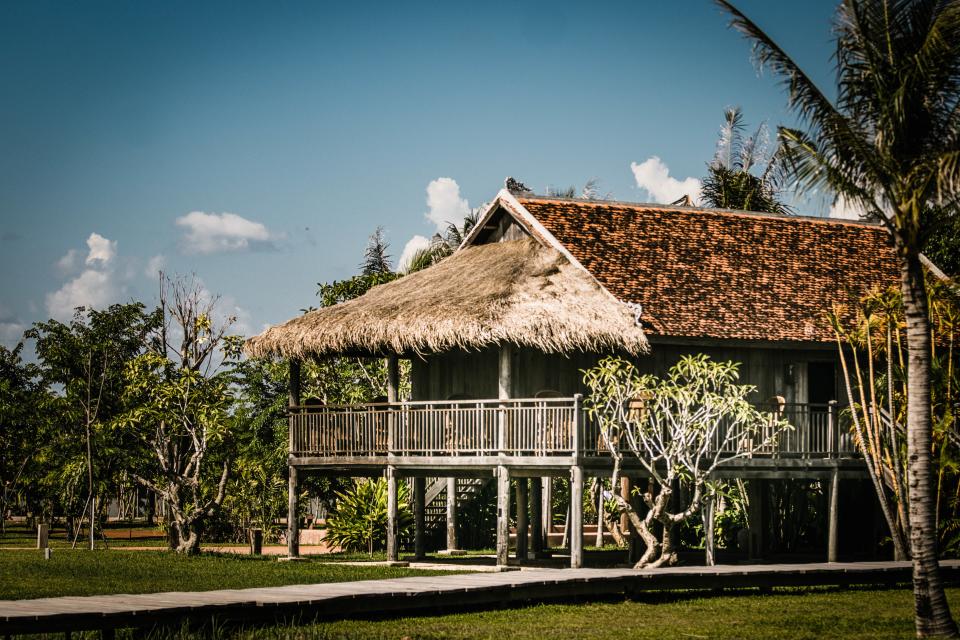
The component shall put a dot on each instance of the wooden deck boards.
(407, 595)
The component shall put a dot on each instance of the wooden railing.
(524, 427)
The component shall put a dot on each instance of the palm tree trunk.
(931, 609)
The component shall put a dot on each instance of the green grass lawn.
(797, 615)
(25, 574)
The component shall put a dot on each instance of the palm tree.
(376, 260)
(442, 246)
(890, 144)
(730, 182)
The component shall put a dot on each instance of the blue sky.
(258, 145)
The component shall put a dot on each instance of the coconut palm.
(890, 143)
(442, 246)
(730, 182)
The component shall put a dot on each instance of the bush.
(359, 522)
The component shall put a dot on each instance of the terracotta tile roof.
(704, 273)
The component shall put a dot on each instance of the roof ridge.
(674, 208)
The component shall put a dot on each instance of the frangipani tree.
(680, 428)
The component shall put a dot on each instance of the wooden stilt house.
(497, 336)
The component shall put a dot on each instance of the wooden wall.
(474, 374)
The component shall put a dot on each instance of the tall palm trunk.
(931, 609)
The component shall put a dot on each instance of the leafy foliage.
(359, 522)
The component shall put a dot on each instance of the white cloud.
(217, 232)
(654, 176)
(92, 288)
(155, 265)
(11, 329)
(446, 205)
(101, 250)
(68, 263)
(844, 209)
(414, 244)
(96, 286)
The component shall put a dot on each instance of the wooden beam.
(523, 521)
(293, 522)
(419, 509)
(452, 514)
(833, 516)
(503, 516)
(393, 551)
(576, 517)
(536, 516)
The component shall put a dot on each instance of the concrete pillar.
(503, 516)
(452, 515)
(709, 508)
(523, 521)
(419, 510)
(832, 518)
(393, 550)
(576, 517)
(293, 522)
(536, 517)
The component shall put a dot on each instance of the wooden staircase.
(435, 513)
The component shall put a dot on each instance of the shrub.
(359, 521)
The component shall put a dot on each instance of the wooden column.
(547, 507)
(709, 509)
(393, 551)
(419, 509)
(393, 395)
(755, 498)
(576, 517)
(503, 516)
(832, 518)
(293, 521)
(452, 515)
(536, 517)
(523, 521)
(504, 391)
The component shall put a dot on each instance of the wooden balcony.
(461, 431)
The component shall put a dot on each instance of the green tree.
(891, 145)
(730, 182)
(179, 410)
(444, 245)
(82, 363)
(376, 260)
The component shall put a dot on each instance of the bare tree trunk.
(931, 608)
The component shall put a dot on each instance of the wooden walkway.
(410, 595)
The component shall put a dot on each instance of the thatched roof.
(517, 292)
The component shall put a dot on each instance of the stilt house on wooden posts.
(498, 333)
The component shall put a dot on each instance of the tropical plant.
(680, 429)
(359, 521)
(890, 145)
(444, 245)
(376, 260)
(730, 182)
(589, 191)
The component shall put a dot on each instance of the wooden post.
(393, 554)
(755, 516)
(832, 524)
(43, 535)
(419, 507)
(452, 515)
(833, 448)
(505, 391)
(523, 521)
(503, 516)
(293, 523)
(393, 396)
(577, 420)
(256, 541)
(709, 508)
(547, 507)
(576, 517)
(536, 517)
(625, 494)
